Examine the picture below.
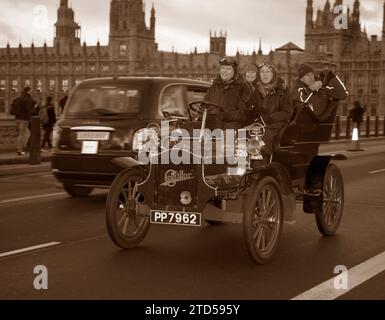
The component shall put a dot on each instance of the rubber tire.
(117, 237)
(77, 191)
(323, 228)
(248, 229)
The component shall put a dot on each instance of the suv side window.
(173, 101)
(196, 94)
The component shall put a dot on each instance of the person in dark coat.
(48, 120)
(316, 93)
(271, 106)
(357, 115)
(231, 92)
(251, 78)
(23, 117)
(39, 104)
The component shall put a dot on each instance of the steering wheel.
(200, 107)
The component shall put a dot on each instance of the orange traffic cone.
(355, 146)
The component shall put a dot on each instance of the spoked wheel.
(128, 217)
(329, 215)
(263, 220)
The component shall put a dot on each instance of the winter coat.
(357, 114)
(319, 101)
(275, 108)
(51, 116)
(252, 87)
(27, 107)
(232, 97)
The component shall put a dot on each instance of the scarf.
(229, 83)
(267, 89)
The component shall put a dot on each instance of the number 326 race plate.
(176, 218)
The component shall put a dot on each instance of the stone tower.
(130, 40)
(383, 24)
(323, 41)
(218, 43)
(67, 30)
(309, 16)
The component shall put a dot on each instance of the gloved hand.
(316, 86)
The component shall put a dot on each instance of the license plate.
(176, 218)
(90, 147)
(96, 136)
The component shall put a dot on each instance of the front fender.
(127, 162)
(317, 169)
(314, 179)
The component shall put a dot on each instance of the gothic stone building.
(132, 50)
(358, 59)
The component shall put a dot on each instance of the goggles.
(265, 64)
(227, 61)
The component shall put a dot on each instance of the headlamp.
(145, 140)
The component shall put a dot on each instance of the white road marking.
(41, 246)
(41, 196)
(356, 276)
(377, 171)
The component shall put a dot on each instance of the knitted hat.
(304, 69)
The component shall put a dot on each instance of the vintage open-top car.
(259, 193)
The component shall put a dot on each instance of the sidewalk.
(12, 164)
(8, 158)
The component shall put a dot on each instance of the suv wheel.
(77, 191)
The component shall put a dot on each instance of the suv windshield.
(108, 100)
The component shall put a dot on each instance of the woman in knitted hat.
(272, 103)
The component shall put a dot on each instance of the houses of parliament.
(132, 50)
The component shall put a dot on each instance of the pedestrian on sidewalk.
(39, 104)
(357, 115)
(22, 109)
(48, 120)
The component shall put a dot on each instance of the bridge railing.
(372, 126)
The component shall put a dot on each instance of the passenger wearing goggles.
(230, 91)
(270, 104)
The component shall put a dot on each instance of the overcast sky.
(183, 24)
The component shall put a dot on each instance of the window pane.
(173, 102)
(195, 95)
(65, 85)
(107, 100)
(2, 105)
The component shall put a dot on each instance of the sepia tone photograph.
(175, 150)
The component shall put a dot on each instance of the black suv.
(104, 118)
